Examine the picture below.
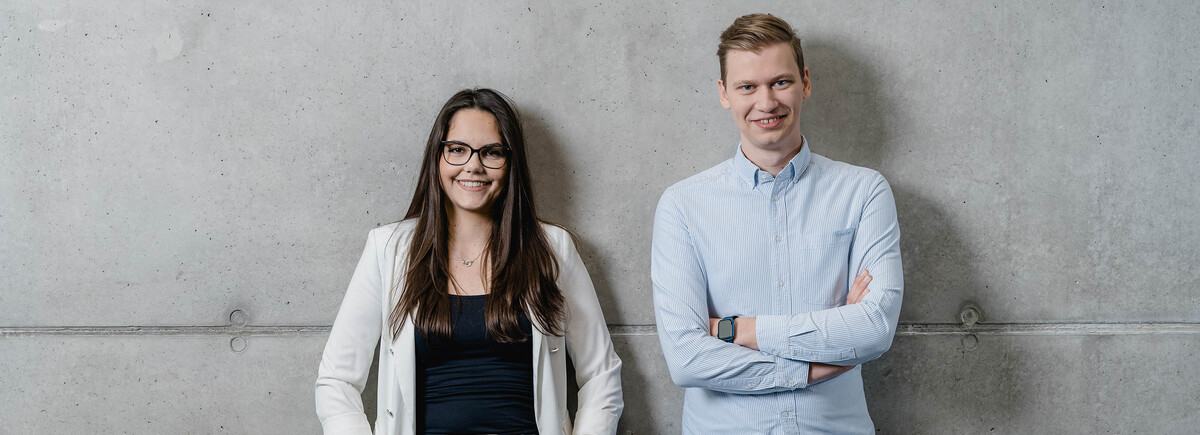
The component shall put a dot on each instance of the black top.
(473, 384)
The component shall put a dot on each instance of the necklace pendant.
(468, 263)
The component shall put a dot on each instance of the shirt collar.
(753, 176)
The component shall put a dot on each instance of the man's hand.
(858, 290)
(819, 372)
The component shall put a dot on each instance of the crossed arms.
(792, 350)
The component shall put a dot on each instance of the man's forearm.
(745, 328)
(817, 372)
(846, 335)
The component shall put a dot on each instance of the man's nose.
(766, 100)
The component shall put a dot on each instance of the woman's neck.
(469, 232)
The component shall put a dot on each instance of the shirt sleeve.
(350, 350)
(850, 334)
(695, 358)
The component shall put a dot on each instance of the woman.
(475, 302)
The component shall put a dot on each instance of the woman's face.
(471, 187)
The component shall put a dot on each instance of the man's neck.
(771, 161)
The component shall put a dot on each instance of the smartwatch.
(726, 329)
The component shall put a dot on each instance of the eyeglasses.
(492, 156)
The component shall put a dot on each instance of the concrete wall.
(163, 165)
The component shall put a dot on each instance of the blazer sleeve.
(597, 367)
(349, 352)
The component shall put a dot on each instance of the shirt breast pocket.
(821, 263)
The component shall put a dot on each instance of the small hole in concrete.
(238, 318)
(970, 314)
(238, 344)
(970, 342)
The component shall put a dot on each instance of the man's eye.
(782, 83)
(746, 87)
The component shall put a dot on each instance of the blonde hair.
(755, 32)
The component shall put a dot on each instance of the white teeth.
(472, 183)
(767, 121)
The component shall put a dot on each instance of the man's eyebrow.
(784, 76)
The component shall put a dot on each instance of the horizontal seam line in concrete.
(904, 329)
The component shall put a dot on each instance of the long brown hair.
(524, 269)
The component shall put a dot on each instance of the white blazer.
(362, 322)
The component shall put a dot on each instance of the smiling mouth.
(769, 122)
(472, 184)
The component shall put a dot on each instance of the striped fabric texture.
(735, 241)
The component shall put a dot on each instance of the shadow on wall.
(850, 118)
(555, 182)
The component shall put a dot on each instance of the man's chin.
(774, 143)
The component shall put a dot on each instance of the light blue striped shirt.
(735, 241)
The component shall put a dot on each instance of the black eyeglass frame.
(475, 151)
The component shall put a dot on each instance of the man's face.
(765, 91)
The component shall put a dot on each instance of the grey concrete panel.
(1003, 384)
(1036, 384)
(232, 156)
(166, 164)
(158, 385)
(653, 404)
(925, 384)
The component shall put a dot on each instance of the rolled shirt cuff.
(791, 374)
(771, 332)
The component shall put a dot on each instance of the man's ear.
(807, 83)
(721, 94)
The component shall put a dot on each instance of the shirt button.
(781, 283)
(783, 414)
(775, 198)
(778, 238)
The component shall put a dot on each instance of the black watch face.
(725, 329)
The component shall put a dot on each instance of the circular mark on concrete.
(238, 318)
(238, 344)
(969, 315)
(970, 342)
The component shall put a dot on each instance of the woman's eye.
(493, 152)
(456, 149)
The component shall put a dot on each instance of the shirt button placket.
(779, 221)
(777, 255)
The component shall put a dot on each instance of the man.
(760, 263)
